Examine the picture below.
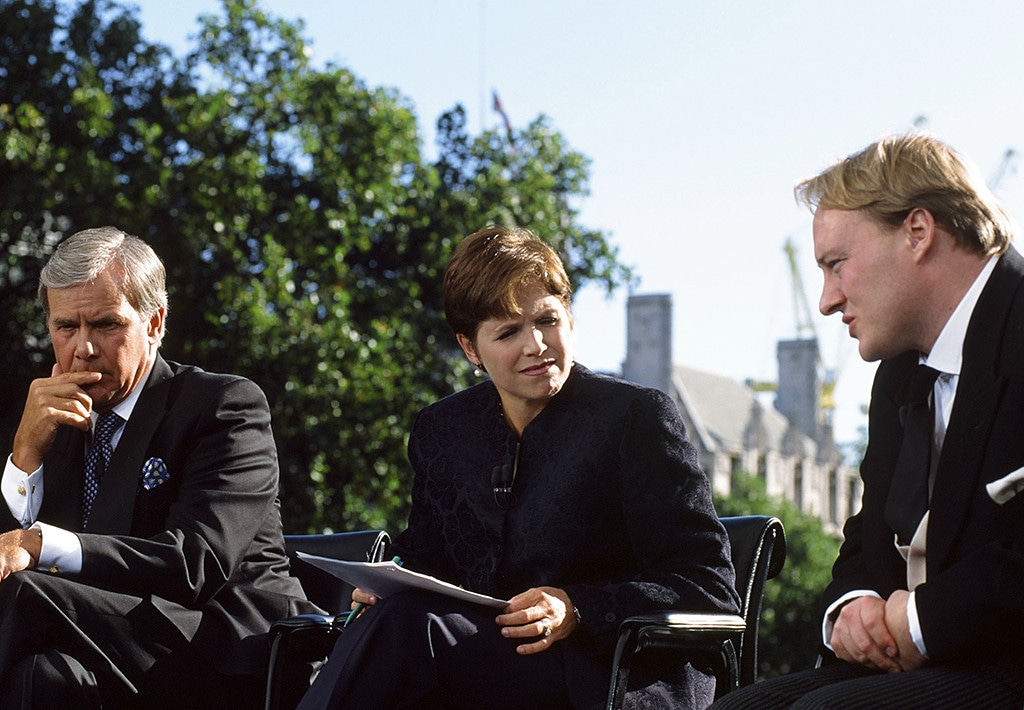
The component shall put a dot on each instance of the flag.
(500, 108)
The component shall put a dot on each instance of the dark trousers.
(422, 650)
(66, 644)
(843, 686)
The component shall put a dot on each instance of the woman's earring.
(478, 372)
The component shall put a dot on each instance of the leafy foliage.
(790, 622)
(82, 110)
(304, 233)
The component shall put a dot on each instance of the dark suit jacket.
(972, 606)
(611, 505)
(205, 547)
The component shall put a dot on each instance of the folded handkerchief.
(1006, 487)
(154, 473)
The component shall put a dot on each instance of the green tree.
(790, 622)
(82, 102)
(304, 233)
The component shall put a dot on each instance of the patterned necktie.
(908, 493)
(97, 460)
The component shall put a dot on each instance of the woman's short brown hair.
(488, 268)
(899, 173)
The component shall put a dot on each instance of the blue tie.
(97, 460)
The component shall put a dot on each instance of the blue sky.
(699, 117)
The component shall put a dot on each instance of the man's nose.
(84, 348)
(832, 297)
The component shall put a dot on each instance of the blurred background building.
(787, 442)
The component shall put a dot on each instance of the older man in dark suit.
(144, 555)
(925, 608)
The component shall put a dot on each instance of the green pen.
(360, 605)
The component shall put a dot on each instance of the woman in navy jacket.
(574, 495)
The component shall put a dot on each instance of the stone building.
(789, 445)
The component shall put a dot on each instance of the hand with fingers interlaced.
(542, 614)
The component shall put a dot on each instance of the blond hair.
(893, 176)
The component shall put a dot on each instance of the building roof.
(727, 416)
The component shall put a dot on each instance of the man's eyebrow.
(108, 319)
(827, 258)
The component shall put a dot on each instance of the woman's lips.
(539, 369)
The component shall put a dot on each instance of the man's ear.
(155, 329)
(920, 226)
(467, 347)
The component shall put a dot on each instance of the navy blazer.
(611, 505)
(971, 608)
(204, 545)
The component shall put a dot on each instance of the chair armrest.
(297, 643)
(681, 629)
(713, 638)
(307, 636)
(300, 621)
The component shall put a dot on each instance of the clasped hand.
(875, 633)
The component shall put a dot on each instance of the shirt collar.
(947, 352)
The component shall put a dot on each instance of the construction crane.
(801, 311)
(804, 329)
(801, 305)
(805, 326)
(1006, 165)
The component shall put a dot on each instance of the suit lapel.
(958, 474)
(62, 478)
(115, 501)
(974, 410)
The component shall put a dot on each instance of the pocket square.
(154, 473)
(1006, 487)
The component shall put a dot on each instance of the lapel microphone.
(502, 478)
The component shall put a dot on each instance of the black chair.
(298, 643)
(724, 642)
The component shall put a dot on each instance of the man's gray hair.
(85, 255)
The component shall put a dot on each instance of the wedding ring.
(547, 629)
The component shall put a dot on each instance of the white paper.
(386, 578)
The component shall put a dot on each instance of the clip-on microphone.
(502, 478)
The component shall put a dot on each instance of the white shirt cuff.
(23, 492)
(915, 624)
(61, 550)
(829, 622)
